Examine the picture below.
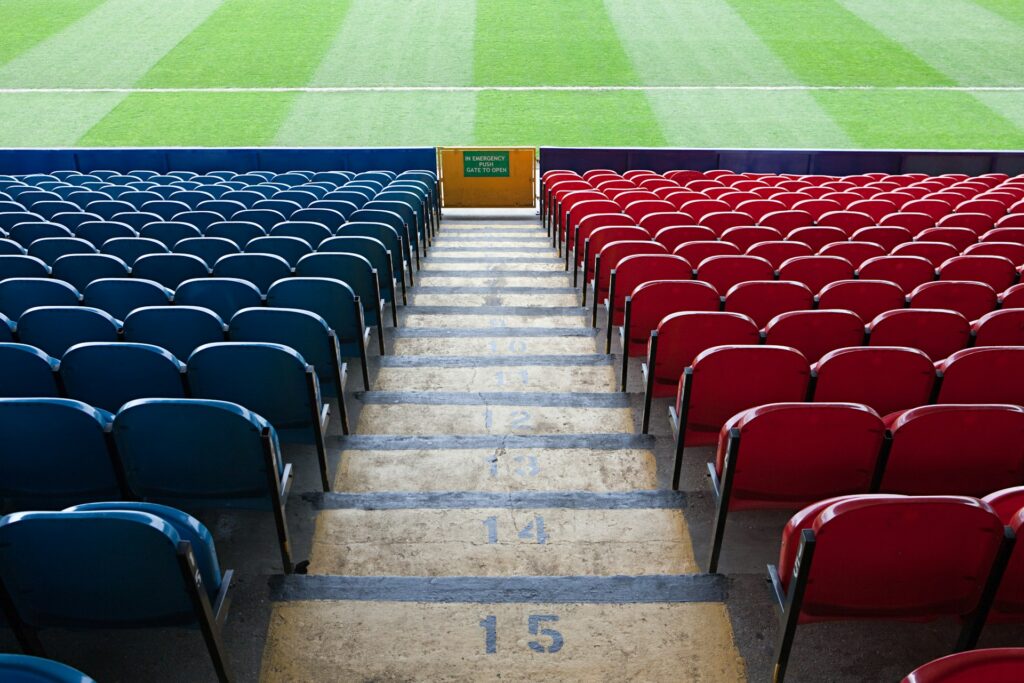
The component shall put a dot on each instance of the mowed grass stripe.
(51, 119)
(537, 42)
(1009, 9)
(1009, 105)
(401, 42)
(24, 25)
(966, 42)
(252, 43)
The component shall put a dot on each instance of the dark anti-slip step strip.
(517, 500)
(474, 332)
(511, 589)
(496, 398)
(470, 272)
(496, 289)
(440, 250)
(493, 361)
(596, 442)
(496, 259)
(498, 310)
(538, 238)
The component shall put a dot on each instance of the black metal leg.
(204, 612)
(723, 491)
(681, 419)
(652, 353)
(278, 496)
(976, 620)
(624, 335)
(28, 639)
(793, 602)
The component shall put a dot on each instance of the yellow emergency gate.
(487, 177)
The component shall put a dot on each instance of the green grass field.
(687, 73)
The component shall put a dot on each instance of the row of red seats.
(905, 558)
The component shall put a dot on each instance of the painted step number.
(533, 529)
(535, 624)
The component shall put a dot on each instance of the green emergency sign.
(485, 164)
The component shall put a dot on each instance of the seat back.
(170, 270)
(262, 270)
(996, 664)
(108, 375)
(120, 296)
(333, 300)
(685, 335)
(179, 329)
(990, 374)
(169, 233)
(816, 271)
(763, 300)
(937, 332)
(27, 372)
(309, 232)
(18, 294)
(55, 329)
(722, 272)
(354, 270)
(223, 295)
(996, 271)
(652, 301)
(815, 333)
(886, 378)
(1000, 328)
(209, 249)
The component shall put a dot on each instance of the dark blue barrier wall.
(827, 162)
(201, 160)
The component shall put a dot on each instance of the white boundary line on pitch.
(526, 88)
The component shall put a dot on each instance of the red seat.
(776, 252)
(624, 199)
(1000, 328)
(791, 198)
(897, 197)
(746, 236)
(608, 260)
(683, 175)
(673, 237)
(996, 665)
(653, 183)
(759, 208)
(968, 450)
(1011, 220)
(585, 228)
(843, 197)
(640, 208)
(906, 271)
(876, 208)
(1004, 234)
(995, 271)
(725, 380)
(1009, 601)
(935, 252)
(725, 271)
(720, 221)
(698, 208)
(786, 220)
(816, 271)
(886, 378)
(817, 207)
(631, 272)
(936, 332)
(771, 457)
(1013, 297)
(854, 252)
(656, 222)
(866, 298)
(913, 221)
(888, 236)
(958, 238)
(818, 236)
(849, 221)
(681, 197)
(977, 223)
(762, 301)
(935, 208)
(815, 333)
(912, 558)
(990, 207)
(984, 374)
(679, 339)
(566, 202)
(734, 197)
(597, 240)
(970, 299)
(695, 252)
(1010, 250)
(586, 216)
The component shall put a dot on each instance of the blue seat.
(244, 197)
(139, 198)
(273, 381)
(382, 177)
(193, 198)
(224, 296)
(311, 233)
(82, 269)
(209, 249)
(11, 248)
(83, 198)
(8, 219)
(109, 375)
(392, 219)
(291, 178)
(336, 178)
(329, 217)
(374, 251)
(200, 219)
(214, 190)
(291, 249)
(265, 218)
(170, 270)
(167, 209)
(369, 187)
(136, 219)
(169, 233)
(26, 669)
(121, 296)
(303, 331)
(336, 303)
(407, 214)
(99, 232)
(108, 208)
(262, 270)
(28, 232)
(132, 569)
(55, 454)
(131, 249)
(49, 249)
(18, 294)
(221, 175)
(318, 190)
(239, 232)
(266, 189)
(282, 206)
(223, 206)
(179, 329)
(198, 454)
(7, 327)
(352, 197)
(359, 274)
(71, 221)
(27, 372)
(50, 209)
(301, 197)
(141, 174)
(30, 198)
(55, 329)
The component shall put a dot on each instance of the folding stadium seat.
(399, 215)
(273, 381)
(49, 249)
(970, 299)
(374, 251)
(769, 457)
(246, 198)
(745, 237)
(71, 221)
(50, 209)
(631, 196)
(854, 252)
(990, 374)
(815, 333)
(108, 208)
(131, 249)
(291, 249)
(787, 220)
(340, 207)
(121, 296)
(988, 207)
(99, 232)
(1001, 235)
(632, 272)
(843, 196)
(934, 252)
(936, 332)
(82, 198)
(356, 199)
(586, 217)
(265, 218)
(762, 301)
(607, 260)
(848, 221)
(866, 298)
(978, 223)
(134, 219)
(817, 207)
(389, 237)
(222, 295)
(200, 220)
(886, 378)
(642, 207)
(260, 269)
(141, 566)
(18, 294)
(395, 221)
(679, 339)
(239, 232)
(55, 329)
(816, 271)
(724, 380)
(906, 271)
(191, 198)
(179, 329)
(80, 270)
(109, 375)
(139, 198)
(327, 217)
(1012, 220)
(55, 454)
(312, 233)
(995, 271)
(597, 241)
(759, 208)
(208, 249)
(776, 252)
(722, 272)
(11, 248)
(817, 237)
(1009, 250)
(720, 221)
(27, 372)
(27, 669)
(876, 208)
(165, 208)
(916, 558)
(998, 665)
(1013, 297)
(999, 328)
(699, 208)
(675, 236)
(889, 237)
(28, 232)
